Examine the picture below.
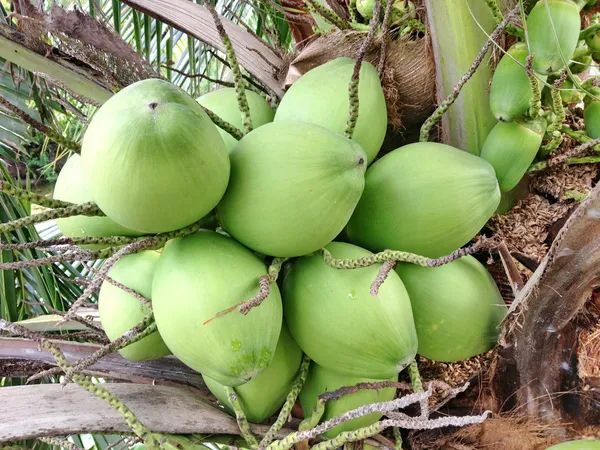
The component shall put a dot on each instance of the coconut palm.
(60, 62)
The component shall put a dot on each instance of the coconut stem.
(290, 400)
(243, 424)
(445, 105)
(535, 103)
(31, 197)
(238, 79)
(559, 117)
(70, 256)
(415, 377)
(264, 283)
(86, 383)
(385, 37)
(224, 125)
(53, 135)
(85, 209)
(397, 438)
(382, 407)
(383, 273)
(137, 333)
(355, 79)
(393, 255)
(568, 157)
(327, 14)
(371, 385)
(498, 17)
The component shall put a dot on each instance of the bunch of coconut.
(153, 161)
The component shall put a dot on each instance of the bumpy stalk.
(235, 68)
(85, 209)
(355, 79)
(243, 424)
(559, 118)
(397, 438)
(535, 103)
(31, 197)
(53, 135)
(415, 377)
(86, 383)
(328, 15)
(224, 125)
(393, 255)
(445, 105)
(288, 405)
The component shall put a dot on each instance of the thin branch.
(243, 424)
(385, 36)
(31, 197)
(224, 125)
(235, 68)
(564, 157)
(383, 273)
(445, 105)
(56, 137)
(354, 81)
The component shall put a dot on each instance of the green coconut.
(152, 158)
(510, 92)
(320, 96)
(321, 380)
(71, 187)
(591, 114)
(120, 311)
(582, 444)
(511, 147)
(223, 102)
(553, 31)
(457, 308)
(365, 8)
(426, 198)
(340, 325)
(262, 396)
(198, 277)
(293, 188)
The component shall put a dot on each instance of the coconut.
(321, 97)
(553, 32)
(262, 396)
(425, 198)
(581, 444)
(443, 298)
(510, 92)
(340, 325)
(120, 311)
(321, 380)
(71, 187)
(223, 102)
(511, 148)
(591, 114)
(293, 188)
(153, 160)
(408, 78)
(199, 276)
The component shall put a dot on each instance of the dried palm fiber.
(408, 78)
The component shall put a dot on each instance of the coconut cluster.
(154, 162)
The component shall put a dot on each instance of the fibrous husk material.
(408, 77)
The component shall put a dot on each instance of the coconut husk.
(408, 78)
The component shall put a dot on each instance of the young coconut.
(425, 198)
(591, 114)
(120, 311)
(223, 102)
(340, 325)
(457, 308)
(293, 188)
(71, 187)
(553, 29)
(511, 148)
(321, 380)
(153, 160)
(510, 93)
(581, 444)
(321, 97)
(262, 396)
(198, 277)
